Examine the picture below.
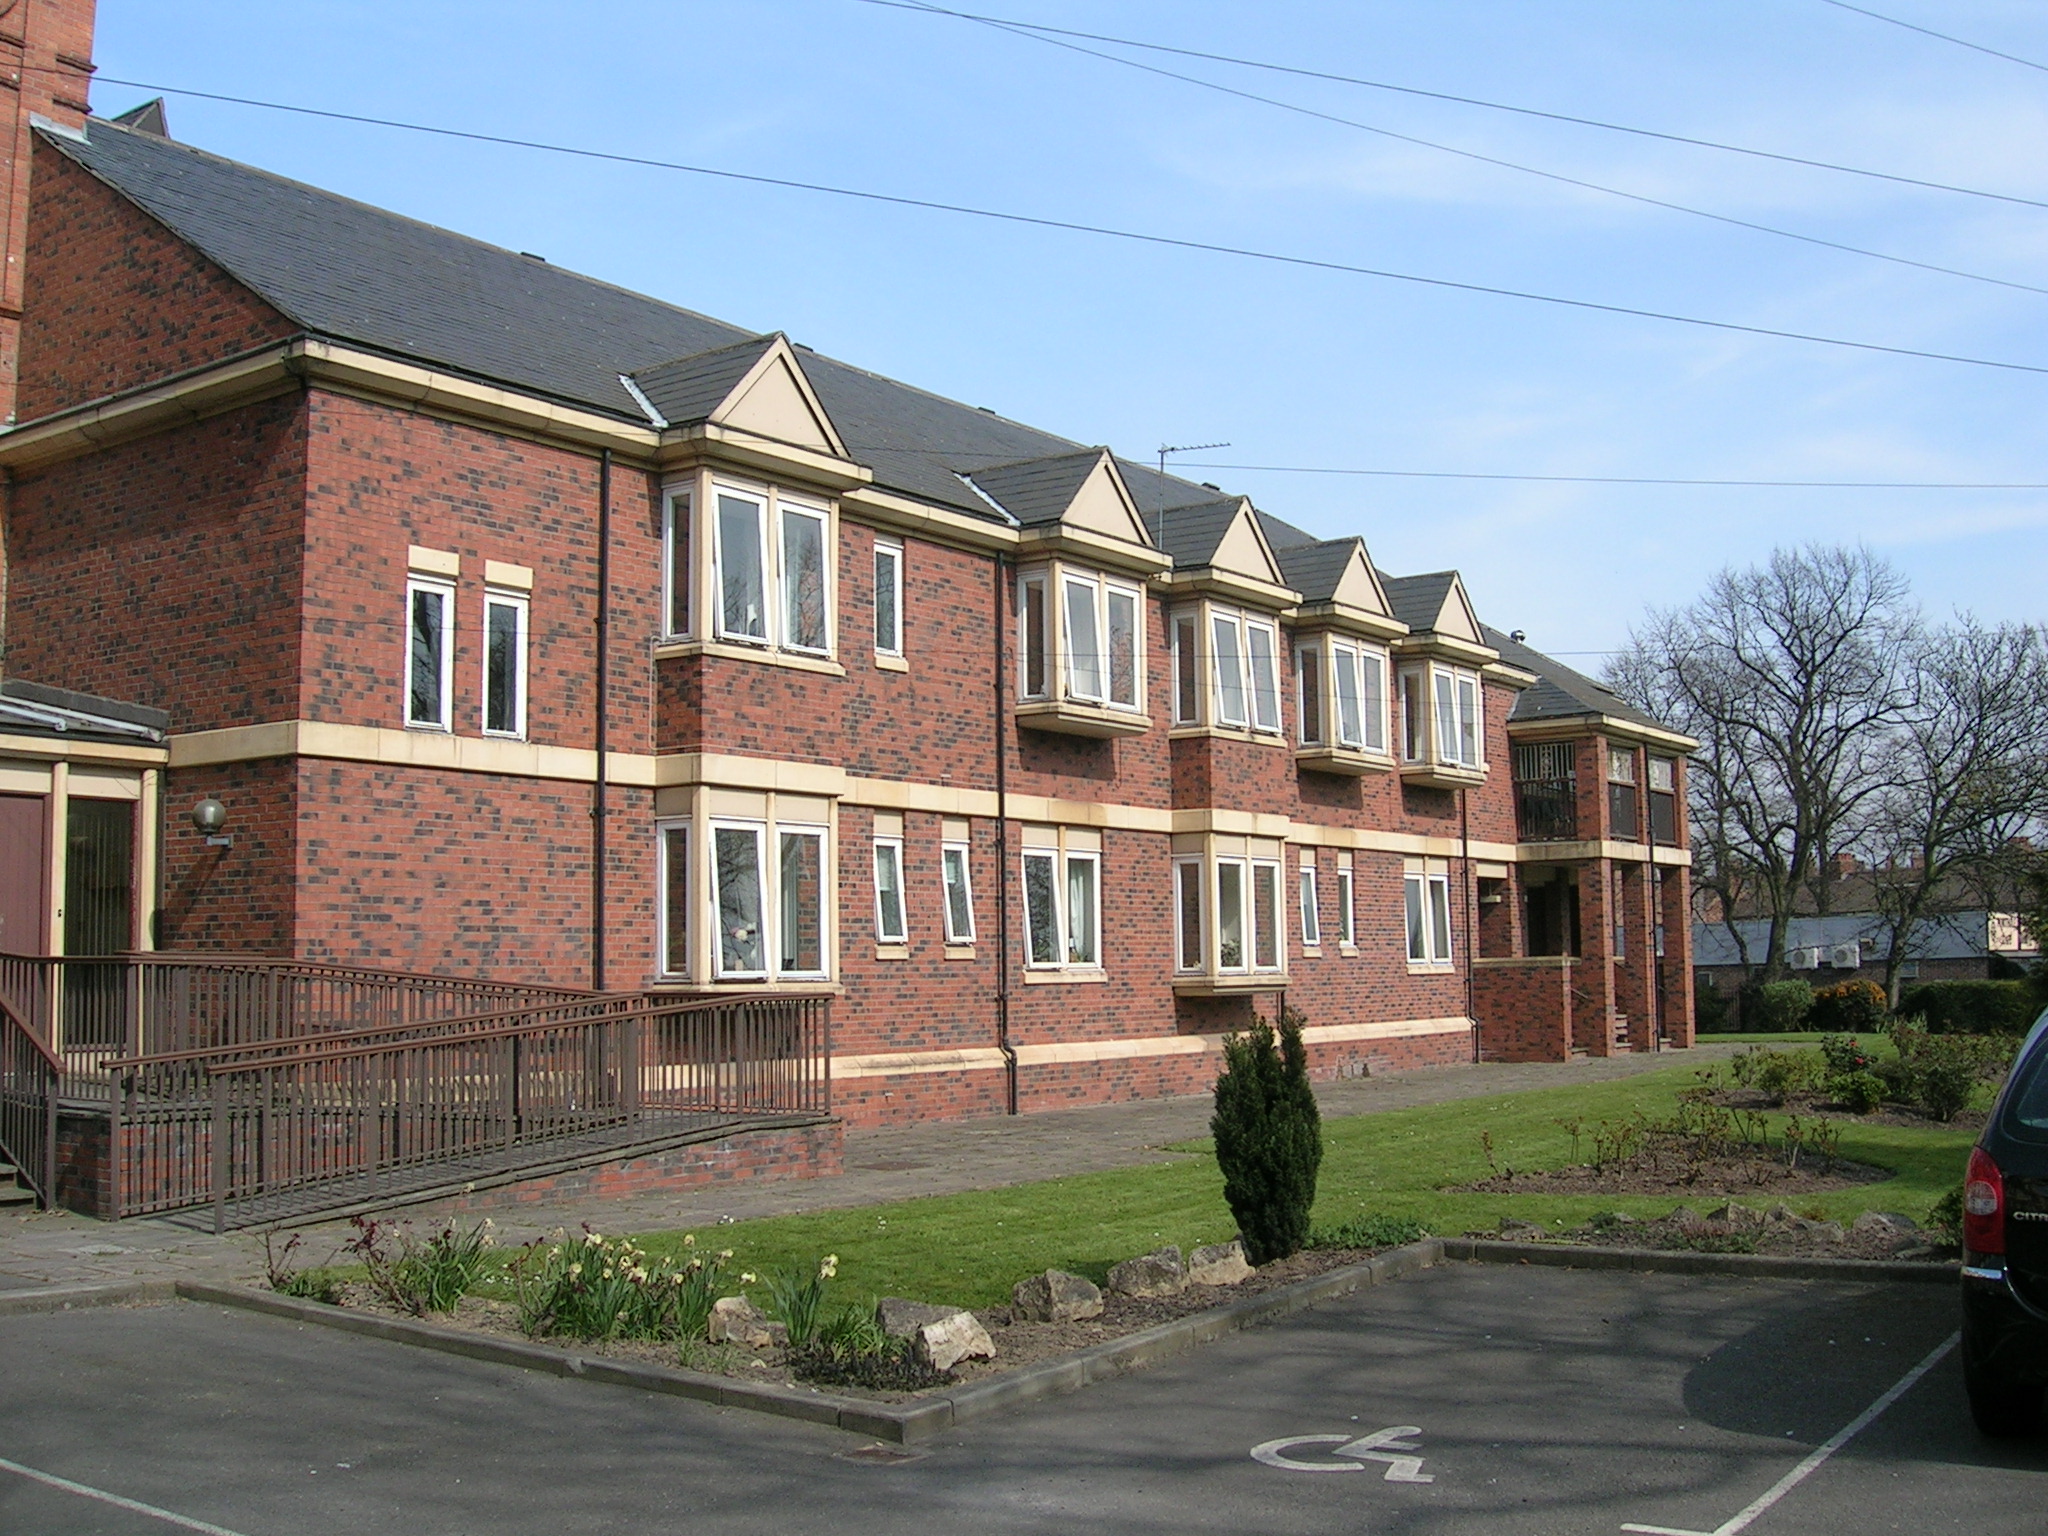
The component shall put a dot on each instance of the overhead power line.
(1795, 485)
(1172, 242)
(1494, 160)
(2010, 58)
(916, 6)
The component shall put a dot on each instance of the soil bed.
(1018, 1343)
(1886, 1114)
(1704, 1176)
(1779, 1232)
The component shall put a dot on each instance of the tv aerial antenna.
(1165, 450)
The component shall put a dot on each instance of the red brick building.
(532, 629)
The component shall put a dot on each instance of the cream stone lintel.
(908, 1063)
(51, 749)
(1210, 581)
(412, 749)
(433, 562)
(1095, 549)
(1604, 848)
(1572, 727)
(502, 573)
(710, 442)
(941, 525)
(1348, 618)
(1509, 676)
(758, 655)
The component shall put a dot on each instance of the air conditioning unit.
(1846, 957)
(1804, 959)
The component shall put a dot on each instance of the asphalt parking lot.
(1472, 1398)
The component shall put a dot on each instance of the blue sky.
(1133, 345)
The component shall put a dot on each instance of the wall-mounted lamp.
(209, 816)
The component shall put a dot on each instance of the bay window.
(770, 557)
(1235, 682)
(1443, 724)
(1228, 913)
(1341, 690)
(1080, 652)
(1062, 870)
(757, 887)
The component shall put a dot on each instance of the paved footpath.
(40, 1249)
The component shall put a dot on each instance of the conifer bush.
(1269, 1137)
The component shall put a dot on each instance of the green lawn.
(969, 1249)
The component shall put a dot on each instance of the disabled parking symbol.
(1393, 1446)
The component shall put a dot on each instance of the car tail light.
(1983, 1205)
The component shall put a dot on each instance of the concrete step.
(12, 1190)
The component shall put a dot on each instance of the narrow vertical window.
(1440, 918)
(737, 871)
(1468, 720)
(1412, 907)
(675, 899)
(1084, 641)
(1308, 677)
(1084, 909)
(1230, 924)
(1187, 906)
(430, 653)
(889, 598)
(804, 626)
(1033, 649)
(676, 565)
(1122, 605)
(742, 577)
(1619, 900)
(1226, 638)
(889, 925)
(1041, 906)
(1444, 687)
(1266, 917)
(801, 886)
(1373, 693)
(1311, 916)
(1263, 647)
(1413, 723)
(1350, 707)
(504, 664)
(1347, 920)
(1187, 676)
(958, 880)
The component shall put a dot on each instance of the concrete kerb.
(922, 1418)
(65, 1298)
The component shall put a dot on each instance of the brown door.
(24, 875)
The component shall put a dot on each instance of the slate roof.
(1314, 569)
(1037, 491)
(1417, 600)
(34, 709)
(1561, 693)
(1192, 532)
(1946, 936)
(691, 388)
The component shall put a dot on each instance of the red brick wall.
(166, 571)
(1525, 1009)
(112, 299)
(242, 897)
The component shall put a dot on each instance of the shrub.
(1710, 1007)
(420, 1277)
(1940, 1073)
(1369, 1232)
(1779, 1006)
(1843, 1055)
(1858, 1092)
(1269, 1137)
(1779, 1074)
(1972, 1007)
(1945, 1218)
(1848, 1007)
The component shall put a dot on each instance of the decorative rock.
(946, 1341)
(1521, 1231)
(1744, 1218)
(736, 1320)
(1056, 1297)
(1159, 1273)
(1779, 1214)
(1886, 1224)
(1684, 1216)
(900, 1319)
(1219, 1264)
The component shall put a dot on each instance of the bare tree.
(1966, 780)
(1790, 675)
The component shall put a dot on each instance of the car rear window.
(2028, 1103)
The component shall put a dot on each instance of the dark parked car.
(2005, 1251)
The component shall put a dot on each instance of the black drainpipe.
(599, 809)
(1002, 569)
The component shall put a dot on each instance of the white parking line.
(66, 1485)
(1784, 1485)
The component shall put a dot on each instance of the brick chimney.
(45, 69)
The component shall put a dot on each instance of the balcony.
(1547, 810)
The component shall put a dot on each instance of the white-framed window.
(1237, 678)
(889, 919)
(1347, 910)
(1426, 902)
(672, 844)
(888, 598)
(1234, 926)
(771, 569)
(1442, 716)
(504, 691)
(770, 910)
(675, 562)
(1062, 904)
(1082, 637)
(956, 871)
(1311, 910)
(429, 653)
(1341, 686)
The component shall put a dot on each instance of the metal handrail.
(28, 1104)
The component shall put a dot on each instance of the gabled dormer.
(1342, 666)
(749, 405)
(1228, 597)
(1441, 695)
